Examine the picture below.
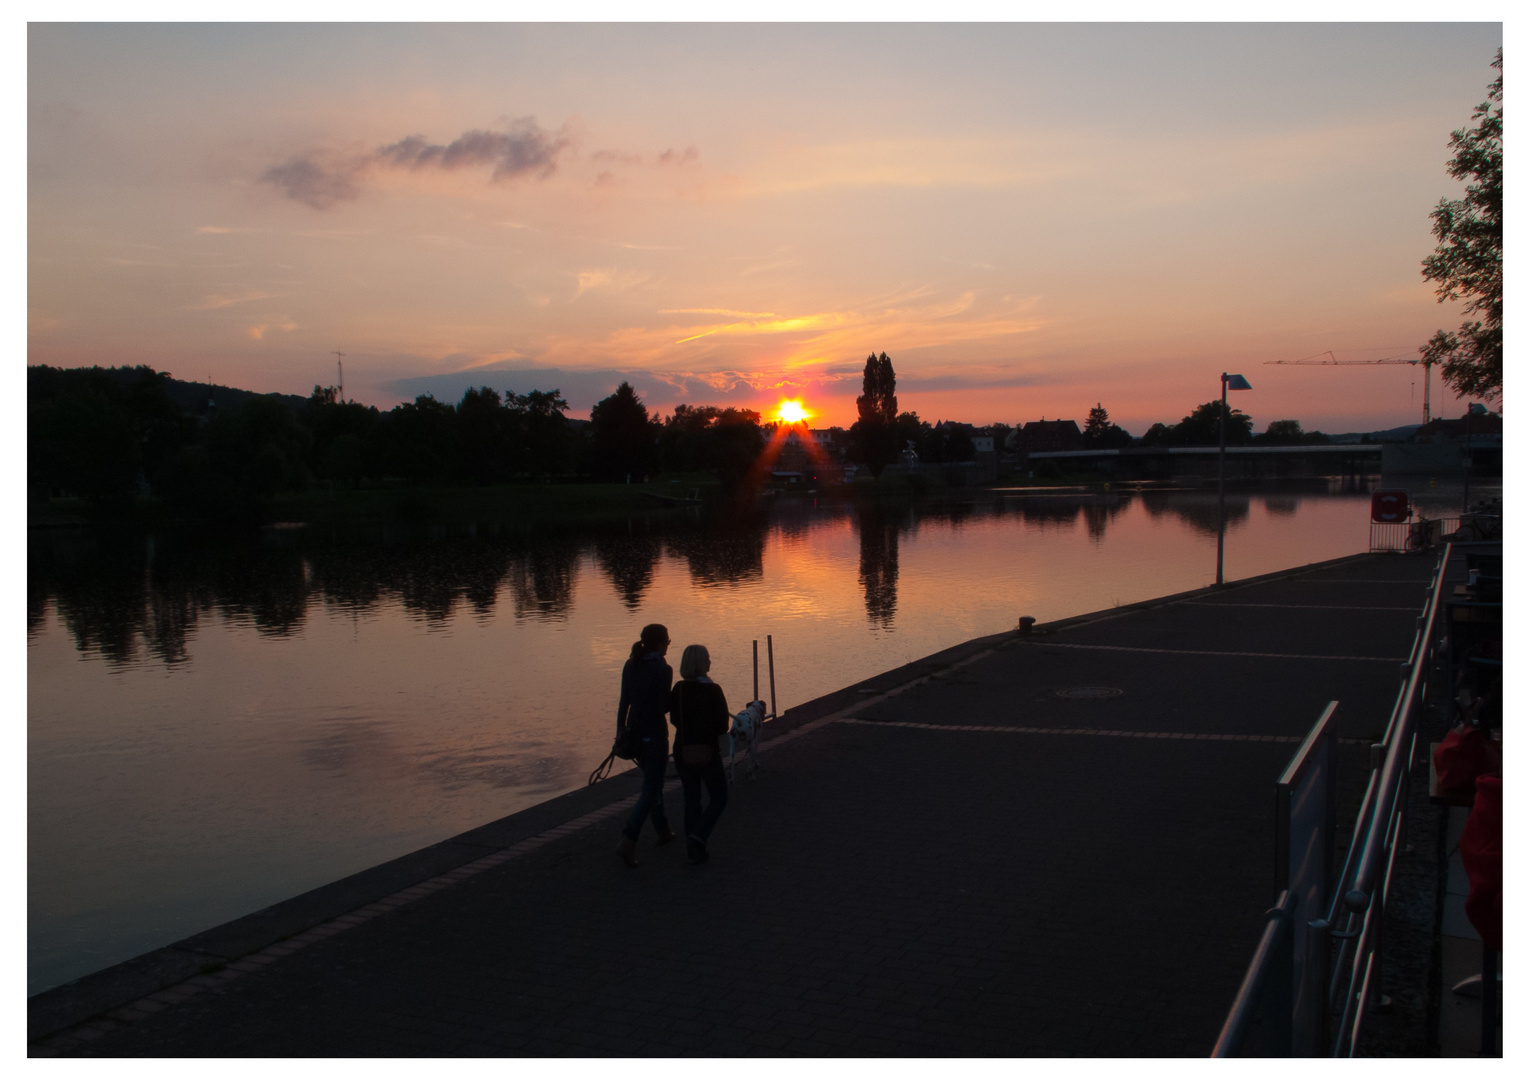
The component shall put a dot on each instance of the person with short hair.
(698, 711)
(645, 682)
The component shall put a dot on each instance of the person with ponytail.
(645, 683)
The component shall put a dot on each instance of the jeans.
(698, 825)
(653, 761)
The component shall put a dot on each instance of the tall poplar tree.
(874, 436)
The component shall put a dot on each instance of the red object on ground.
(1465, 753)
(1480, 851)
(1390, 506)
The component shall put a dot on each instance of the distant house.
(1473, 427)
(833, 447)
(1047, 436)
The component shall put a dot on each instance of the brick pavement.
(969, 865)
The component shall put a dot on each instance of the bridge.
(1242, 462)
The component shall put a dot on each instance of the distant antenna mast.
(341, 362)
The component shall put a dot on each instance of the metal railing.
(1419, 534)
(1262, 1020)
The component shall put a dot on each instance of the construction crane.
(1332, 361)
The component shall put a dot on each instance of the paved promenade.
(972, 855)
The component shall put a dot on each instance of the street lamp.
(1227, 382)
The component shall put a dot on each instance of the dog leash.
(602, 770)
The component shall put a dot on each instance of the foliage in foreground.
(1467, 264)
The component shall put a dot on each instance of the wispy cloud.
(688, 156)
(213, 301)
(590, 280)
(258, 331)
(524, 149)
(717, 311)
(312, 184)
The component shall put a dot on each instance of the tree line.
(882, 433)
(111, 435)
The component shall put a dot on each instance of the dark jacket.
(698, 711)
(645, 697)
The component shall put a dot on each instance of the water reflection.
(630, 562)
(123, 595)
(731, 552)
(1099, 512)
(879, 534)
(1198, 509)
(541, 581)
(392, 686)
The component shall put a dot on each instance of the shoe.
(627, 851)
(696, 850)
(664, 836)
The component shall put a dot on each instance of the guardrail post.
(1317, 1041)
(1279, 1015)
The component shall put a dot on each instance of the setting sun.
(792, 412)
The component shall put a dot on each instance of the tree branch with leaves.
(1467, 264)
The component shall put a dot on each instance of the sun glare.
(792, 412)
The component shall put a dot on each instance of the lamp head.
(1236, 382)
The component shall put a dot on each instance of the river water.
(216, 724)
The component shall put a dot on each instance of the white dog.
(747, 727)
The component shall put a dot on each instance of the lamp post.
(1227, 382)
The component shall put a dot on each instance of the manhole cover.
(1089, 692)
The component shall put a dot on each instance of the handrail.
(1244, 1007)
(1357, 898)
(1352, 923)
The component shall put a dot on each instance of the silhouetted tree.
(727, 441)
(910, 429)
(1202, 427)
(1289, 433)
(873, 436)
(99, 433)
(544, 432)
(417, 441)
(1468, 261)
(1100, 434)
(625, 440)
(483, 434)
(341, 431)
(1098, 423)
(1281, 433)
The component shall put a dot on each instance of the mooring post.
(755, 670)
(769, 640)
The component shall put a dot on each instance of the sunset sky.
(1028, 218)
